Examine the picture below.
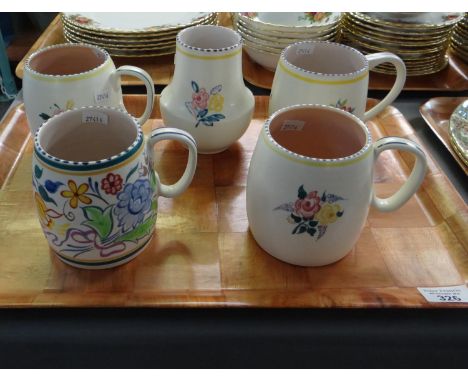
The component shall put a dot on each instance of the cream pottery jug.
(327, 73)
(309, 185)
(207, 96)
(66, 76)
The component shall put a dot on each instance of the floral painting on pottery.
(112, 212)
(206, 107)
(315, 17)
(312, 213)
(56, 109)
(82, 20)
(343, 105)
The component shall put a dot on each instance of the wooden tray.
(453, 78)
(204, 256)
(161, 69)
(436, 112)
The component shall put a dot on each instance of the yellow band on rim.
(224, 56)
(322, 82)
(73, 77)
(314, 164)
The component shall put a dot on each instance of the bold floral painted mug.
(66, 76)
(95, 187)
(309, 185)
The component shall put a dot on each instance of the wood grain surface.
(161, 69)
(436, 112)
(203, 254)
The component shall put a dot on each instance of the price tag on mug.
(102, 96)
(457, 294)
(292, 125)
(94, 117)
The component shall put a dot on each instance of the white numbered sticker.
(102, 96)
(292, 125)
(95, 117)
(303, 51)
(457, 294)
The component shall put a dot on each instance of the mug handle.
(164, 133)
(134, 71)
(412, 183)
(377, 59)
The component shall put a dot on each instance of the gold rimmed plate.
(352, 28)
(103, 43)
(458, 131)
(162, 34)
(397, 46)
(302, 22)
(129, 52)
(118, 40)
(415, 72)
(420, 21)
(278, 46)
(400, 52)
(134, 23)
(282, 38)
(410, 36)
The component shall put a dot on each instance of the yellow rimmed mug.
(327, 73)
(310, 183)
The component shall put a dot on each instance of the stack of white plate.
(132, 34)
(421, 39)
(266, 34)
(459, 39)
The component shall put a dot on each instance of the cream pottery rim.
(319, 161)
(358, 72)
(181, 34)
(28, 68)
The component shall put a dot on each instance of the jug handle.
(169, 133)
(375, 59)
(412, 183)
(129, 70)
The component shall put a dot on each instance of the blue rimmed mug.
(95, 187)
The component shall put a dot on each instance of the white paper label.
(458, 293)
(303, 51)
(102, 96)
(292, 125)
(94, 117)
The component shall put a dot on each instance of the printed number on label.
(448, 298)
(102, 96)
(304, 51)
(294, 125)
(95, 117)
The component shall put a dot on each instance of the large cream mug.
(66, 76)
(326, 73)
(309, 185)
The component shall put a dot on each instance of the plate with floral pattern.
(292, 21)
(417, 19)
(458, 130)
(134, 22)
